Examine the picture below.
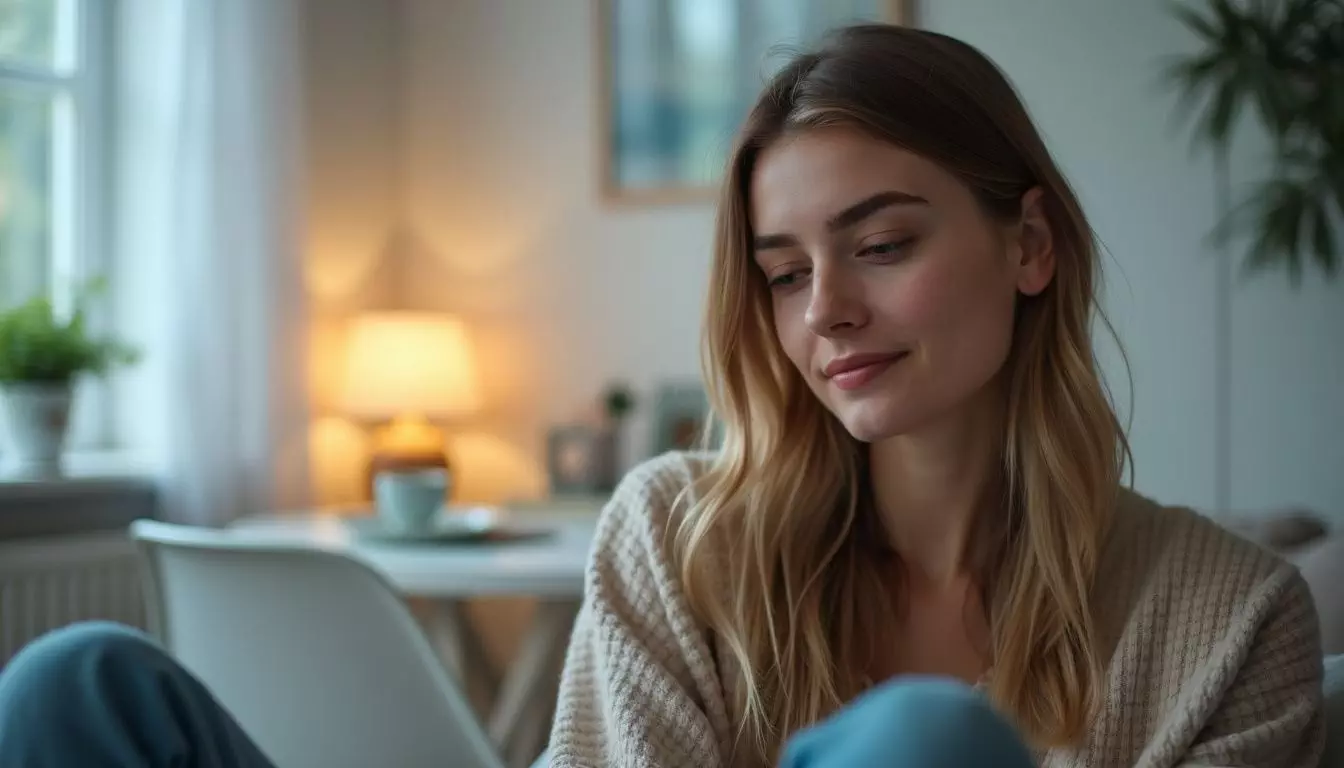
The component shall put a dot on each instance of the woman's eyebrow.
(845, 219)
(871, 205)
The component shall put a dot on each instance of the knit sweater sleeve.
(639, 687)
(1269, 715)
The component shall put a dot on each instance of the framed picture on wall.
(678, 76)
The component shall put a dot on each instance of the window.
(50, 156)
(54, 80)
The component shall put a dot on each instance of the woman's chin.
(874, 422)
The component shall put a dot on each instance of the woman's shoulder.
(1208, 639)
(1170, 572)
(657, 491)
(662, 479)
(647, 505)
(639, 660)
(1154, 540)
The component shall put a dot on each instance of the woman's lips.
(855, 378)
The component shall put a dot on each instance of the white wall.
(1089, 70)
(352, 67)
(1287, 430)
(499, 174)
(499, 157)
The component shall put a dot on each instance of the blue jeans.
(911, 723)
(99, 695)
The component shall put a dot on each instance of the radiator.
(47, 583)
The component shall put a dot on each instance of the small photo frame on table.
(580, 459)
(681, 414)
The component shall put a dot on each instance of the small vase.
(37, 417)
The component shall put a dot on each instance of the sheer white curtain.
(217, 86)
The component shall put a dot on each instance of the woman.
(920, 475)
(920, 483)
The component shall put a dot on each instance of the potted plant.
(41, 356)
(1285, 61)
(617, 403)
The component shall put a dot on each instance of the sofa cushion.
(1322, 566)
(1282, 530)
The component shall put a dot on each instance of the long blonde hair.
(788, 487)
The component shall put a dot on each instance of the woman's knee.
(63, 665)
(916, 721)
(941, 701)
(946, 717)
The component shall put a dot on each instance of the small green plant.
(38, 347)
(618, 401)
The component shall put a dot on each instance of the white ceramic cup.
(408, 500)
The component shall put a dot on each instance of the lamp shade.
(402, 363)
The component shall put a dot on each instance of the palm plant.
(1285, 60)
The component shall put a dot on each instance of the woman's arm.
(639, 686)
(1271, 716)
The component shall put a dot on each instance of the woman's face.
(893, 290)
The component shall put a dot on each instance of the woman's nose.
(836, 306)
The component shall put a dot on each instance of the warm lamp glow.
(408, 364)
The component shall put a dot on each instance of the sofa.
(1316, 547)
(1310, 542)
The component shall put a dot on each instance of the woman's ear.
(1036, 245)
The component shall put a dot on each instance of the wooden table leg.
(450, 630)
(521, 718)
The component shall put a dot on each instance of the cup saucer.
(444, 529)
(453, 525)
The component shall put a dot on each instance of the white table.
(440, 578)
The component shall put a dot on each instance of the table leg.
(521, 718)
(450, 631)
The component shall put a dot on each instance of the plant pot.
(37, 417)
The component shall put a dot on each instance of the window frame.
(81, 237)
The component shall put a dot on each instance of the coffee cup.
(408, 500)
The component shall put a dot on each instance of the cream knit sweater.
(1213, 649)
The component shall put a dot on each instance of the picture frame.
(676, 78)
(681, 414)
(580, 459)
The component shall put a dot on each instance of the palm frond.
(1200, 25)
(1323, 240)
(1285, 60)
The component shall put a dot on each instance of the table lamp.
(407, 369)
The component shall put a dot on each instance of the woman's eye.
(787, 279)
(887, 250)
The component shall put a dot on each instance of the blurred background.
(246, 197)
(253, 250)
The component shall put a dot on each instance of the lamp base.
(407, 442)
(383, 461)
